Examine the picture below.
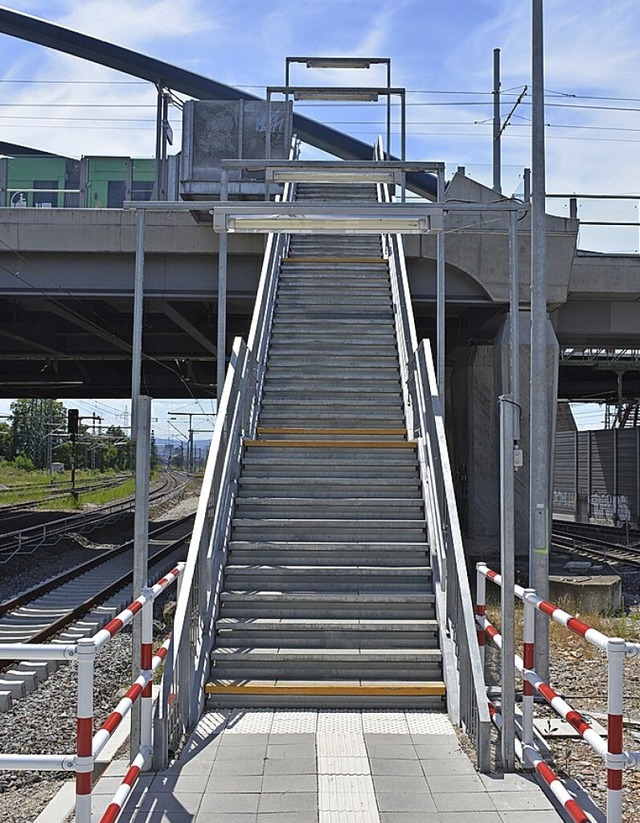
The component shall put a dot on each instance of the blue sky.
(441, 52)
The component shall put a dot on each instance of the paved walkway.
(326, 767)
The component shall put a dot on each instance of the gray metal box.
(216, 130)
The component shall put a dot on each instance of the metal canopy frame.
(345, 94)
(348, 63)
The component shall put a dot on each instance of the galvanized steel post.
(222, 297)
(441, 299)
(539, 509)
(507, 572)
(138, 308)
(140, 545)
(497, 184)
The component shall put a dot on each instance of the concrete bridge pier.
(476, 382)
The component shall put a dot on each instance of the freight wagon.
(595, 477)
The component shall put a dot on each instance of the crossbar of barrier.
(616, 648)
(88, 745)
(126, 787)
(527, 753)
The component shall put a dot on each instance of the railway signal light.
(72, 421)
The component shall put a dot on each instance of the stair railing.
(462, 666)
(186, 671)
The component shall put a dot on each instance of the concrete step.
(343, 378)
(326, 664)
(327, 575)
(329, 488)
(391, 606)
(346, 402)
(332, 416)
(300, 558)
(318, 507)
(332, 362)
(324, 322)
(335, 552)
(366, 296)
(338, 456)
(325, 633)
(334, 530)
(339, 694)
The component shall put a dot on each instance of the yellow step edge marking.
(332, 260)
(303, 430)
(429, 689)
(334, 444)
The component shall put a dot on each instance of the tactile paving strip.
(255, 721)
(345, 785)
(294, 722)
(384, 723)
(429, 723)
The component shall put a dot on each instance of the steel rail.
(14, 541)
(76, 612)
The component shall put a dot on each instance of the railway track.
(79, 602)
(600, 543)
(47, 534)
(9, 511)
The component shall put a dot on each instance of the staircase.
(327, 597)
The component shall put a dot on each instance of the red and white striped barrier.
(529, 754)
(617, 651)
(126, 787)
(126, 615)
(84, 651)
(104, 733)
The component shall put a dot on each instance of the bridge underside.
(69, 344)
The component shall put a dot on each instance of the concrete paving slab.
(468, 802)
(229, 803)
(289, 802)
(401, 802)
(337, 774)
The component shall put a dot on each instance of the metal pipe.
(140, 545)
(539, 508)
(497, 184)
(138, 310)
(222, 298)
(441, 299)
(507, 570)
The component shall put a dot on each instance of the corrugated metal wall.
(596, 477)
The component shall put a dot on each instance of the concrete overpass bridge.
(66, 286)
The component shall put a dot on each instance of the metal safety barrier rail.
(462, 667)
(617, 650)
(88, 744)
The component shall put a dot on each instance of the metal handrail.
(187, 668)
(462, 666)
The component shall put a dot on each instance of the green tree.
(32, 422)
(6, 442)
